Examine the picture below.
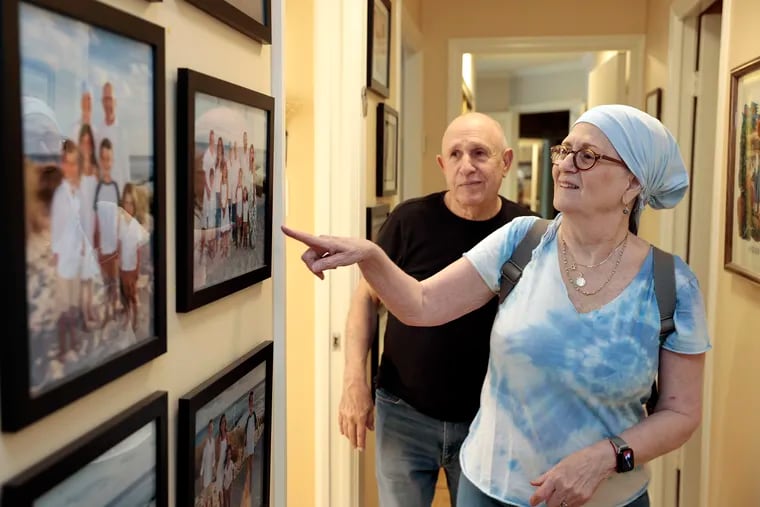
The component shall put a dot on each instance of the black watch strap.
(624, 459)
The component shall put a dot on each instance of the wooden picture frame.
(376, 217)
(379, 46)
(239, 398)
(654, 103)
(104, 466)
(255, 22)
(220, 250)
(742, 240)
(386, 151)
(86, 256)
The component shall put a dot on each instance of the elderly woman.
(575, 346)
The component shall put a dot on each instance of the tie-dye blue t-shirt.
(559, 380)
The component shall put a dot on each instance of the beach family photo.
(86, 166)
(225, 435)
(121, 463)
(226, 206)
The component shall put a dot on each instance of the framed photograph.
(122, 462)
(376, 217)
(225, 145)
(386, 151)
(654, 103)
(83, 145)
(379, 46)
(251, 17)
(224, 440)
(742, 244)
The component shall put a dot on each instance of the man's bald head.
(486, 126)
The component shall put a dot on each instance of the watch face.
(626, 460)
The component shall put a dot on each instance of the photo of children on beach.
(87, 118)
(230, 453)
(230, 192)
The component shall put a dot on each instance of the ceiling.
(521, 63)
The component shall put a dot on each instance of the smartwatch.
(623, 455)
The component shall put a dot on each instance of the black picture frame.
(379, 22)
(386, 151)
(231, 391)
(50, 475)
(375, 218)
(198, 267)
(32, 383)
(741, 248)
(226, 12)
(654, 103)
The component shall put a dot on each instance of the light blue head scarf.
(647, 148)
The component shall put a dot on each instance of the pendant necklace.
(579, 281)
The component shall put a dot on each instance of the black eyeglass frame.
(554, 151)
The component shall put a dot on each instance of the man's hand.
(356, 412)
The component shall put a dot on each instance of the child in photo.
(239, 208)
(207, 218)
(88, 182)
(225, 193)
(132, 236)
(229, 475)
(208, 460)
(223, 443)
(67, 242)
(245, 218)
(106, 238)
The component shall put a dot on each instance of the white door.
(607, 81)
(700, 211)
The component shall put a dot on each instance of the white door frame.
(457, 47)
(339, 197)
(673, 223)
(410, 81)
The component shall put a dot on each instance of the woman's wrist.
(607, 459)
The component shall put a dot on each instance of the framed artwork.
(83, 144)
(742, 243)
(376, 217)
(224, 439)
(121, 462)
(225, 145)
(386, 151)
(251, 17)
(654, 103)
(379, 46)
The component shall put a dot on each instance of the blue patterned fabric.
(559, 380)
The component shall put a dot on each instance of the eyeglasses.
(583, 159)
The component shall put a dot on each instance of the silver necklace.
(579, 281)
(592, 266)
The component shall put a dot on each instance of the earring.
(626, 210)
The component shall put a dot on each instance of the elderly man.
(430, 379)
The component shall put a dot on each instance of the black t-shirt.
(438, 370)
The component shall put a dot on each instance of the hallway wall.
(199, 343)
(299, 213)
(443, 20)
(734, 436)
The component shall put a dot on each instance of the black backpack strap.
(512, 270)
(665, 290)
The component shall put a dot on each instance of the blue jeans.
(411, 449)
(471, 496)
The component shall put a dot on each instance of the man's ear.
(439, 159)
(507, 157)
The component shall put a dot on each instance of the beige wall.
(492, 93)
(734, 435)
(201, 342)
(299, 99)
(443, 19)
(655, 76)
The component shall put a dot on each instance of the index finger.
(303, 237)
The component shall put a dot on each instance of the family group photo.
(230, 193)
(88, 151)
(229, 448)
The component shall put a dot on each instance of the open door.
(607, 81)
